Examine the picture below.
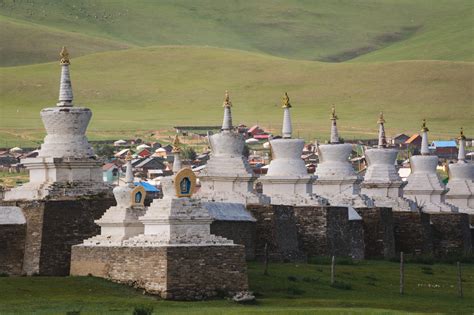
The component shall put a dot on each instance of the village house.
(414, 143)
(445, 149)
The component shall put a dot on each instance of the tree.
(188, 153)
(104, 150)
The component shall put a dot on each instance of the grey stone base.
(172, 272)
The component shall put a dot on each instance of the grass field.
(290, 288)
(152, 65)
(154, 88)
(312, 30)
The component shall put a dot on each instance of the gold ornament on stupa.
(423, 126)
(333, 113)
(64, 54)
(227, 102)
(176, 145)
(286, 101)
(381, 119)
(461, 135)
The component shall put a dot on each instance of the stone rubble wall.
(172, 272)
(451, 234)
(276, 226)
(379, 236)
(241, 232)
(413, 233)
(53, 226)
(12, 248)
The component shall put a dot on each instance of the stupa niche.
(424, 185)
(228, 176)
(336, 178)
(287, 181)
(66, 164)
(461, 180)
(382, 182)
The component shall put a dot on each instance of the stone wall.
(241, 232)
(294, 233)
(173, 272)
(327, 231)
(451, 234)
(413, 233)
(276, 226)
(53, 226)
(12, 248)
(378, 232)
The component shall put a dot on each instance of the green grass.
(312, 30)
(290, 288)
(154, 88)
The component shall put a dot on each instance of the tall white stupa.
(228, 176)
(336, 179)
(461, 180)
(66, 165)
(382, 182)
(424, 185)
(287, 181)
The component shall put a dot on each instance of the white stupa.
(228, 176)
(424, 185)
(336, 178)
(382, 182)
(461, 180)
(66, 164)
(120, 222)
(287, 181)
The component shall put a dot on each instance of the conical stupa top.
(424, 139)
(334, 132)
(129, 170)
(382, 139)
(65, 87)
(177, 165)
(287, 129)
(227, 122)
(462, 147)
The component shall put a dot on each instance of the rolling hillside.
(158, 87)
(312, 30)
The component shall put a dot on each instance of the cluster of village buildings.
(183, 229)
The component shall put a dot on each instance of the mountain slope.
(153, 88)
(29, 43)
(312, 30)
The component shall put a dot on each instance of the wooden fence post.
(402, 274)
(265, 272)
(333, 269)
(459, 280)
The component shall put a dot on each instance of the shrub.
(143, 310)
(342, 285)
(4, 274)
(294, 291)
(427, 270)
(292, 278)
(309, 279)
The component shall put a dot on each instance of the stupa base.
(186, 272)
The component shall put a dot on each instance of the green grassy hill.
(153, 88)
(311, 30)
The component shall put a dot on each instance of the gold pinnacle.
(286, 101)
(423, 126)
(381, 119)
(333, 113)
(461, 135)
(129, 156)
(176, 144)
(227, 102)
(64, 54)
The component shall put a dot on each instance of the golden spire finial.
(381, 119)
(333, 113)
(423, 126)
(176, 144)
(286, 101)
(461, 134)
(227, 102)
(128, 157)
(64, 54)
